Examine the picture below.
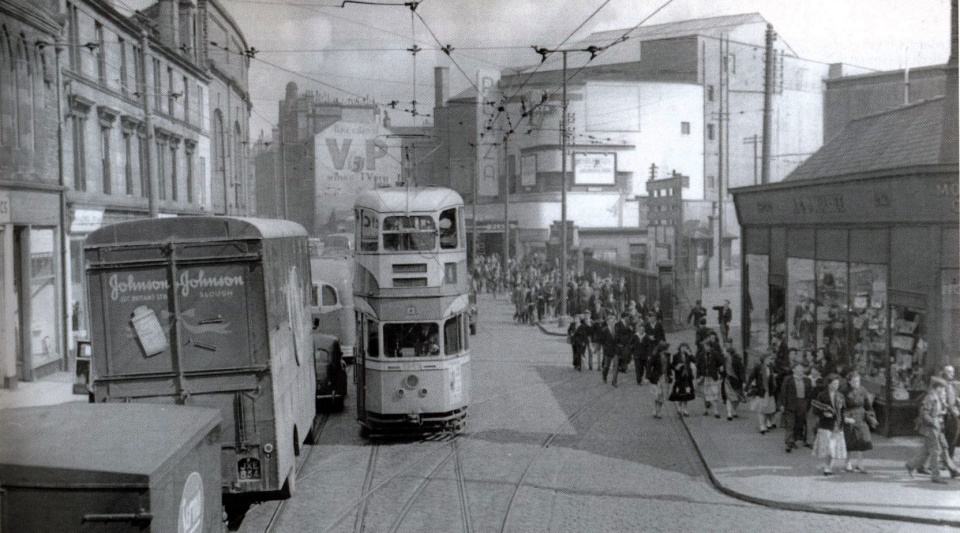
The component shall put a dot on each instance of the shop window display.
(831, 313)
(908, 345)
(950, 315)
(778, 317)
(801, 304)
(868, 321)
(758, 301)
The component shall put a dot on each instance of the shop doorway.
(35, 309)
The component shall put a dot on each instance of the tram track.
(302, 461)
(543, 447)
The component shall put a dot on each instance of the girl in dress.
(732, 382)
(762, 387)
(684, 372)
(857, 434)
(710, 368)
(830, 407)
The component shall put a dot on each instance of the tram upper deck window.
(409, 233)
(419, 339)
(448, 229)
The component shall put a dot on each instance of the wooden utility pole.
(768, 79)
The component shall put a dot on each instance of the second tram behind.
(411, 287)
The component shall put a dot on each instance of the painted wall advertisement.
(352, 157)
(488, 147)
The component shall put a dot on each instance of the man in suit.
(611, 352)
(698, 312)
(724, 317)
(795, 395)
(625, 339)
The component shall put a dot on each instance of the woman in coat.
(762, 389)
(683, 374)
(710, 370)
(857, 434)
(659, 373)
(731, 385)
(830, 407)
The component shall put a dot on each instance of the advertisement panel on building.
(352, 157)
(488, 149)
(594, 168)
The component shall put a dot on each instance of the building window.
(79, 157)
(188, 149)
(142, 166)
(162, 167)
(127, 163)
(710, 92)
(638, 256)
(170, 97)
(73, 35)
(685, 128)
(173, 171)
(186, 100)
(123, 66)
(99, 54)
(710, 132)
(138, 74)
(157, 81)
(105, 157)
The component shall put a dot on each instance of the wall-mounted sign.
(528, 170)
(594, 168)
(86, 220)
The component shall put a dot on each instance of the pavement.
(752, 467)
(54, 389)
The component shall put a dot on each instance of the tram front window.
(411, 340)
(448, 229)
(409, 233)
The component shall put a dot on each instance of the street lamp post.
(563, 195)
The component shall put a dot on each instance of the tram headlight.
(268, 448)
(423, 392)
(400, 392)
(411, 381)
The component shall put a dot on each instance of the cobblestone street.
(546, 449)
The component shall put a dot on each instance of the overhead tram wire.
(537, 68)
(596, 51)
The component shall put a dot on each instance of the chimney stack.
(949, 140)
(441, 86)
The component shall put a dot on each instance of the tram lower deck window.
(420, 339)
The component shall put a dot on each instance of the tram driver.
(429, 342)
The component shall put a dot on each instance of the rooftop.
(904, 137)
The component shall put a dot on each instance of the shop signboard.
(934, 198)
(86, 221)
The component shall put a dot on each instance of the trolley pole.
(506, 202)
(563, 196)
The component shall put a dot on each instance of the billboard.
(351, 157)
(594, 168)
(488, 147)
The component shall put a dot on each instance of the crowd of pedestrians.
(818, 405)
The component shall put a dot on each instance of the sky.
(359, 51)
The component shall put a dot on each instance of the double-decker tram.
(411, 289)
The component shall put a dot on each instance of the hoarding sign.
(488, 150)
(594, 168)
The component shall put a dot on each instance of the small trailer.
(110, 468)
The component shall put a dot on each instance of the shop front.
(860, 272)
(31, 332)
